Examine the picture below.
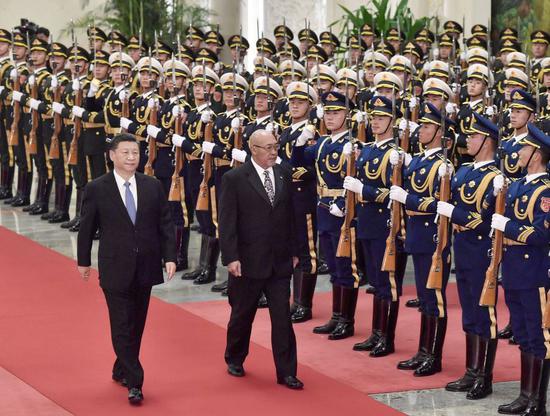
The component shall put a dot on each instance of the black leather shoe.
(39, 211)
(412, 303)
(49, 215)
(75, 228)
(343, 330)
(369, 343)
(301, 314)
(291, 382)
(235, 370)
(370, 289)
(5, 194)
(262, 302)
(71, 223)
(220, 287)
(195, 227)
(323, 268)
(28, 208)
(21, 202)
(512, 341)
(506, 332)
(192, 275)
(10, 201)
(59, 217)
(207, 276)
(225, 292)
(120, 380)
(135, 395)
(412, 363)
(382, 348)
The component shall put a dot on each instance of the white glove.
(403, 125)
(34, 103)
(76, 84)
(206, 116)
(2, 88)
(445, 169)
(436, 53)
(450, 108)
(347, 149)
(490, 111)
(498, 222)
(217, 67)
(278, 160)
(153, 131)
(31, 80)
(57, 107)
(53, 82)
(359, 117)
(272, 128)
(125, 123)
(413, 102)
(320, 111)
(177, 140)
(93, 89)
(123, 94)
(498, 184)
(78, 111)
(176, 111)
(398, 194)
(353, 184)
(151, 103)
(13, 74)
(462, 56)
(207, 147)
(235, 123)
(238, 155)
(445, 209)
(361, 74)
(395, 157)
(17, 96)
(337, 212)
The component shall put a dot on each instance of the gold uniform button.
(526, 256)
(426, 224)
(380, 210)
(479, 237)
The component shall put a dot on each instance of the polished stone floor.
(435, 402)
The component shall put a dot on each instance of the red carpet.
(374, 375)
(54, 337)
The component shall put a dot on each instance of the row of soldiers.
(393, 153)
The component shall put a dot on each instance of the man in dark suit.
(256, 239)
(136, 233)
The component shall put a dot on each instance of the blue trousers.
(342, 270)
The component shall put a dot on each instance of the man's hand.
(235, 268)
(84, 272)
(170, 269)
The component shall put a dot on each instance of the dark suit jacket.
(252, 231)
(126, 251)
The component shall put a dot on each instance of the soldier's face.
(356, 55)
(370, 72)
(335, 119)
(148, 79)
(525, 154)
(427, 132)
(228, 97)
(396, 45)
(19, 52)
(326, 86)
(424, 46)
(519, 117)
(539, 49)
(4, 48)
(476, 87)
(78, 67)
(444, 52)
(349, 91)
(379, 124)
(213, 47)
(38, 58)
(119, 75)
(368, 39)
(546, 80)
(179, 83)
(98, 43)
(400, 75)
(101, 71)
(261, 102)
(298, 108)
(474, 142)
(235, 53)
(115, 47)
(385, 92)
(198, 90)
(436, 100)
(134, 53)
(412, 58)
(328, 48)
(57, 63)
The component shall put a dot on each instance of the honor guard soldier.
(40, 129)
(446, 44)
(514, 79)
(368, 34)
(544, 82)
(424, 38)
(238, 46)
(525, 265)
(328, 157)
(227, 134)
(136, 47)
(149, 72)
(414, 54)
(193, 38)
(385, 49)
(419, 197)
(214, 41)
(289, 71)
(373, 64)
(162, 51)
(262, 68)
(265, 48)
(172, 111)
(539, 47)
(330, 43)
(19, 121)
(373, 215)
(97, 38)
(283, 35)
(395, 38)
(307, 37)
(7, 158)
(118, 98)
(117, 41)
(470, 218)
(302, 98)
(190, 142)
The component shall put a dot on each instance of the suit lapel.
(279, 184)
(140, 196)
(115, 195)
(256, 182)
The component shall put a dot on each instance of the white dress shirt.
(120, 181)
(261, 173)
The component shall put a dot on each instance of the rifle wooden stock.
(14, 132)
(72, 159)
(33, 147)
(344, 243)
(435, 278)
(489, 293)
(323, 128)
(125, 111)
(406, 138)
(152, 149)
(361, 133)
(546, 317)
(57, 124)
(238, 143)
(390, 253)
(176, 187)
(203, 199)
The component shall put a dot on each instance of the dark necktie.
(268, 185)
(130, 203)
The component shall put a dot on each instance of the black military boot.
(506, 332)
(371, 341)
(202, 261)
(519, 405)
(75, 222)
(182, 245)
(305, 302)
(483, 384)
(58, 195)
(43, 198)
(212, 254)
(423, 345)
(436, 329)
(296, 284)
(6, 181)
(62, 215)
(24, 198)
(36, 203)
(466, 382)
(346, 324)
(413, 303)
(388, 322)
(220, 287)
(539, 382)
(336, 302)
